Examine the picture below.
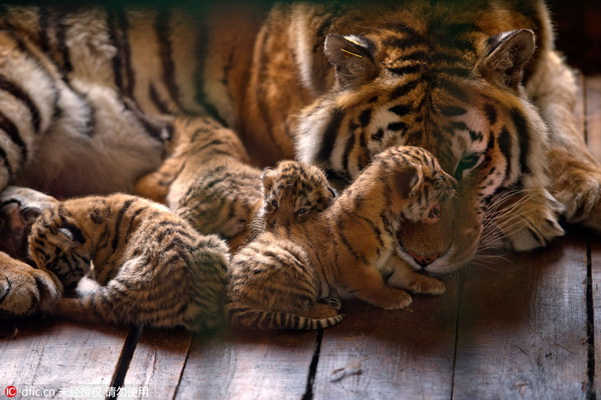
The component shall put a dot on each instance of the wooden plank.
(595, 263)
(593, 115)
(158, 362)
(379, 354)
(248, 365)
(57, 355)
(523, 327)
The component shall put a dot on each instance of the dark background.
(578, 32)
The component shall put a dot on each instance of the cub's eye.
(466, 163)
(273, 204)
(301, 211)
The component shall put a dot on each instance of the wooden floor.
(525, 326)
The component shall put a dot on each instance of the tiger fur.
(208, 181)
(292, 193)
(276, 280)
(151, 267)
(88, 96)
(25, 290)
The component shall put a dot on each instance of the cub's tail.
(251, 318)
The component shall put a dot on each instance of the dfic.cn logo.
(10, 391)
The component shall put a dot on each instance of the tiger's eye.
(466, 162)
(301, 211)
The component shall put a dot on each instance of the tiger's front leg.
(575, 175)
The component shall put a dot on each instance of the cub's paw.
(391, 299)
(425, 285)
(25, 290)
(235, 226)
(333, 301)
(531, 220)
(405, 277)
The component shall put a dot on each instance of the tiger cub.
(208, 180)
(292, 192)
(151, 266)
(276, 280)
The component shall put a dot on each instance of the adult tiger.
(87, 96)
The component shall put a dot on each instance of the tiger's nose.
(423, 260)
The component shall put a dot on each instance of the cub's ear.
(268, 177)
(507, 54)
(353, 58)
(68, 236)
(406, 180)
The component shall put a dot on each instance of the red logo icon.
(10, 391)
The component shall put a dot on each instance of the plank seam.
(460, 285)
(591, 393)
(127, 353)
(313, 368)
(181, 374)
(590, 326)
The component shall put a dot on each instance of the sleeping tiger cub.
(276, 281)
(140, 252)
(208, 181)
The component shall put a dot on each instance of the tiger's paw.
(19, 209)
(582, 199)
(533, 221)
(25, 290)
(575, 180)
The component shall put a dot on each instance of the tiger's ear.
(68, 236)
(508, 52)
(353, 58)
(268, 177)
(406, 180)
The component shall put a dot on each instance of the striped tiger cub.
(277, 280)
(292, 192)
(151, 267)
(208, 181)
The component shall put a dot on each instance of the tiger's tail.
(251, 318)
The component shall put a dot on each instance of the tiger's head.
(58, 243)
(444, 85)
